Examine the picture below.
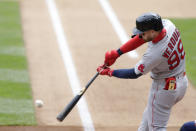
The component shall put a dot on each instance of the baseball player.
(189, 126)
(164, 57)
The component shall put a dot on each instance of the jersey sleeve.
(132, 44)
(149, 61)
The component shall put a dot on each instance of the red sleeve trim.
(132, 44)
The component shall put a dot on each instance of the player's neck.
(156, 34)
(159, 35)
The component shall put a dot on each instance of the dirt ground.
(114, 104)
(71, 128)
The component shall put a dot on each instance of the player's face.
(148, 35)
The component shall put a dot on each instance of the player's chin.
(148, 39)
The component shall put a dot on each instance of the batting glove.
(104, 70)
(110, 57)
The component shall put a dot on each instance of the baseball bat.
(61, 116)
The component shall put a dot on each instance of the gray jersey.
(166, 58)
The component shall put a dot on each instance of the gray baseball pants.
(160, 102)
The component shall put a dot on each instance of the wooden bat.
(61, 116)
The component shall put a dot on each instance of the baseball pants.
(160, 102)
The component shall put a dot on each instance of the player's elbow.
(135, 76)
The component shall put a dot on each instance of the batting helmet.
(148, 21)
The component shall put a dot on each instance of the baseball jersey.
(164, 58)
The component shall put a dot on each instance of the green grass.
(12, 62)
(21, 90)
(15, 92)
(17, 119)
(187, 28)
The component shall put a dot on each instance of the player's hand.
(110, 57)
(103, 70)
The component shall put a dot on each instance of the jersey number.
(174, 59)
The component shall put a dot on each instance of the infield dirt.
(114, 104)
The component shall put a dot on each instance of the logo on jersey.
(141, 67)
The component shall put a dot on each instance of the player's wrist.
(119, 52)
(110, 73)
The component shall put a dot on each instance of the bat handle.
(90, 82)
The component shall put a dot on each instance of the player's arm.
(146, 64)
(120, 73)
(132, 44)
(126, 73)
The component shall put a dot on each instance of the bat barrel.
(61, 116)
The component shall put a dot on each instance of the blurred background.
(48, 47)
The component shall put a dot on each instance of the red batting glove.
(104, 70)
(110, 57)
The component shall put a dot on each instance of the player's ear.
(153, 33)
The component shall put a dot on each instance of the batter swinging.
(165, 58)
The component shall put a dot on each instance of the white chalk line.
(69, 65)
(116, 25)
